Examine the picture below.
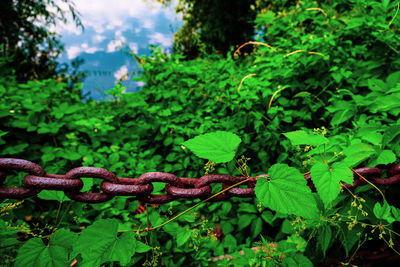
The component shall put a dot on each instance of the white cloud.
(159, 38)
(92, 50)
(118, 34)
(104, 14)
(134, 47)
(147, 24)
(121, 72)
(140, 83)
(116, 44)
(74, 51)
(98, 38)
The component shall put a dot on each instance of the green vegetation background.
(334, 64)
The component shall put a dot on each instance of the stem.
(189, 209)
(395, 15)
(244, 78)
(387, 243)
(383, 196)
(147, 216)
(358, 247)
(343, 185)
(56, 221)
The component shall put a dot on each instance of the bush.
(323, 97)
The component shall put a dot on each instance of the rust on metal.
(142, 187)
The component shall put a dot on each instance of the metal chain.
(142, 187)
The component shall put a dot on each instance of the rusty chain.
(190, 188)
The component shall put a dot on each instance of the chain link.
(142, 187)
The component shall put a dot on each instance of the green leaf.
(8, 236)
(324, 237)
(64, 238)
(100, 243)
(396, 213)
(342, 116)
(245, 220)
(349, 238)
(268, 217)
(286, 191)
(229, 242)
(390, 133)
(53, 195)
(383, 212)
(218, 146)
(299, 242)
(36, 253)
(357, 153)
(183, 236)
(301, 137)
(386, 157)
(297, 260)
(256, 227)
(142, 247)
(326, 180)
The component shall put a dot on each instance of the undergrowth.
(319, 95)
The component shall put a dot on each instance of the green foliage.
(327, 179)
(285, 191)
(26, 38)
(100, 243)
(55, 253)
(303, 138)
(324, 98)
(218, 147)
(213, 27)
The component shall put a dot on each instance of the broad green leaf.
(394, 78)
(326, 180)
(256, 227)
(36, 253)
(324, 237)
(390, 133)
(229, 242)
(218, 146)
(286, 191)
(342, 116)
(142, 247)
(348, 237)
(386, 157)
(227, 228)
(301, 137)
(53, 195)
(371, 135)
(122, 249)
(100, 243)
(297, 260)
(357, 153)
(268, 217)
(245, 220)
(8, 236)
(183, 236)
(299, 242)
(383, 212)
(64, 238)
(247, 207)
(396, 213)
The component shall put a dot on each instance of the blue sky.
(109, 26)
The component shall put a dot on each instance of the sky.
(110, 26)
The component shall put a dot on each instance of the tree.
(26, 36)
(213, 25)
